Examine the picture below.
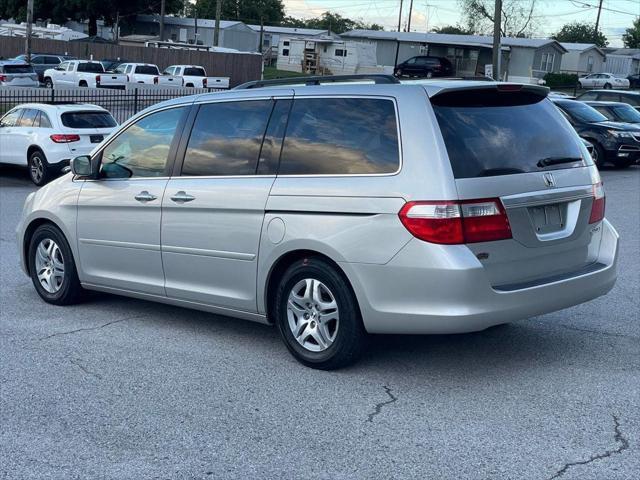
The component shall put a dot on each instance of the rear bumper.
(453, 294)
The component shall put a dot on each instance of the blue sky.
(616, 16)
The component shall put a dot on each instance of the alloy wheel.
(37, 169)
(312, 314)
(49, 264)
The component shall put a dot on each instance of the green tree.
(631, 37)
(580, 32)
(452, 29)
(248, 11)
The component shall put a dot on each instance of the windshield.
(626, 113)
(88, 120)
(582, 112)
(194, 72)
(147, 70)
(489, 133)
(8, 68)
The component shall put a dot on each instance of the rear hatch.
(510, 143)
(91, 127)
(18, 75)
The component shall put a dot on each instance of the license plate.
(96, 138)
(547, 218)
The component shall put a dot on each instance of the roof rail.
(378, 78)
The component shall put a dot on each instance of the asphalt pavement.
(117, 388)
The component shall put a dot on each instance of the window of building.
(341, 52)
(142, 150)
(226, 138)
(547, 62)
(336, 136)
(285, 52)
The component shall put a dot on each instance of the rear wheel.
(317, 315)
(51, 267)
(48, 83)
(607, 86)
(399, 72)
(83, 84)
(39, 170)
(429, 74)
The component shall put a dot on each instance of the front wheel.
(399, 72)
(48, 83)
(51, 267)
(429, 74)
(598, 155)
(317, 315)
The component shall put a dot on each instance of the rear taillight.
(204, 82)
(155, 80)
(3, 78)
(597, 207)
(97, 79)
(65, 138)
(456, 222)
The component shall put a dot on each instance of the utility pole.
(595, 30)
(497, 54)
(216, 31)
(195, 23)
(162, 6)
(27, 43)
(409, 21)
(260, 49)
(398, 39)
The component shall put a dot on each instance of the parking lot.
(122, 388)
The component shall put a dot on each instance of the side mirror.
(82, 166)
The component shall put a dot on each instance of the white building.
(51, 31)
(582, 58)
(623, 61)
(326, 56)
(271, 35)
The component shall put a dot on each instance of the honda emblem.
(549, 181)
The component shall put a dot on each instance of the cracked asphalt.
(117, 388)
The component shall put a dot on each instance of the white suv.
(46, 137)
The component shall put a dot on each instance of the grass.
(271, 73)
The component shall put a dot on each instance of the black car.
(617, 112)
(634, 80)
(424, 66)
(624, 96)
(44, 61)
(613, 142)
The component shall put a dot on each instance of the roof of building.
(289, 30)
(626, 52)
(189, 22)
(446, 38)
(581, 47)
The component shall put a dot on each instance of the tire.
(599, 155)
(39, 170)
(48, 83)
(326, 341)
(83, 84)
(189, 85)
(607, 86)
(52, 268)
(429, 74)
(580, 86)
(399, 73)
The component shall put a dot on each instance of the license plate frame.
(96, 138)
(547, 218)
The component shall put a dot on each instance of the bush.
(560, 79)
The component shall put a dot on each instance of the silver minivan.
(333, 211)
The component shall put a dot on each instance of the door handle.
(145, 196)
(182, 197)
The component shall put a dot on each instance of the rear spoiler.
(536, 90)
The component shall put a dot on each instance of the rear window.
(341, 136)
(194, 72)
(147, 70)
(91, 67)
(501, 133)
(88, 120)
(18, 69)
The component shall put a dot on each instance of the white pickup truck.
(83, 73)
(196, 76)
(147, 73)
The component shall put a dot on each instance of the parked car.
(304, 207)
(14, 73)
(196, 76)
(561, 95)
(45, 137)
(613, 142)
(83, 73)
(634, 80)
(148, 74)
(44, 61)
(603, 80)
(630, 98)
(424, 66)
(617, 112)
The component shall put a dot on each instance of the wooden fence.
(238, 67)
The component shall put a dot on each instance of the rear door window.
(341, 136)
(226, 138)
(489, 133)
(88, 120)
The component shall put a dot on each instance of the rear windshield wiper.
(547, 162)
